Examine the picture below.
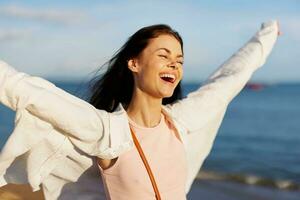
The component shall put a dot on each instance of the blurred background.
(256, 153)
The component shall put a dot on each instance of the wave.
(248, 179)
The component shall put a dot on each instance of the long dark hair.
(116, 84)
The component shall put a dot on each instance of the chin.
(167, 95)
(166, 92)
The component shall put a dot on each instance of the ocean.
(258, 141)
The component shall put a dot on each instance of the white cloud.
(291, 28)
(58, 15)
(14, 34)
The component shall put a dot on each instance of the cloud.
(14, 34)
(291, 28)
(61, 16)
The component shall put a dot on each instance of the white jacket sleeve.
(204, 104)
(74, 117)
(54, 131)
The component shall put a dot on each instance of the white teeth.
(168, 75)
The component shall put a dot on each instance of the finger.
(279, 32)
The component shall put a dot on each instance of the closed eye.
(162, 56)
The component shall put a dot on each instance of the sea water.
(259, 136)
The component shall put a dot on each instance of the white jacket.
(57, 135)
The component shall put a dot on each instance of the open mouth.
(168, 77)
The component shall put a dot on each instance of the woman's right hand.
(279, 32)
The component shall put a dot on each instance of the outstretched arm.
(230, 78)
(76, 118)
(204, 104)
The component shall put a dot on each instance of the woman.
(142, 76)
(59, 140)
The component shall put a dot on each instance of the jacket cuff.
(267, 36)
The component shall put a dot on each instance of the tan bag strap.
(157, 195)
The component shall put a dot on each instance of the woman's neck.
(144, 110)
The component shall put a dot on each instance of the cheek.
(151, 70)
(148, 75)
(180, 74)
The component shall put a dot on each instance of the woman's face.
(158, 69)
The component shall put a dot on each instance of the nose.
(172, 65)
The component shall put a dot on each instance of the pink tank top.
(128, 177)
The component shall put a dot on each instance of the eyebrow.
(167, 50)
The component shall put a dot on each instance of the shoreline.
(247, 179)
(229, 190)
(201, 189)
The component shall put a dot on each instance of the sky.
(68, 40)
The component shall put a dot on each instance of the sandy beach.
(19, 192)
(202, 189)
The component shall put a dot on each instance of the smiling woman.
(136, 131)
(151, 53)
(155, 64)
(152, 60)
